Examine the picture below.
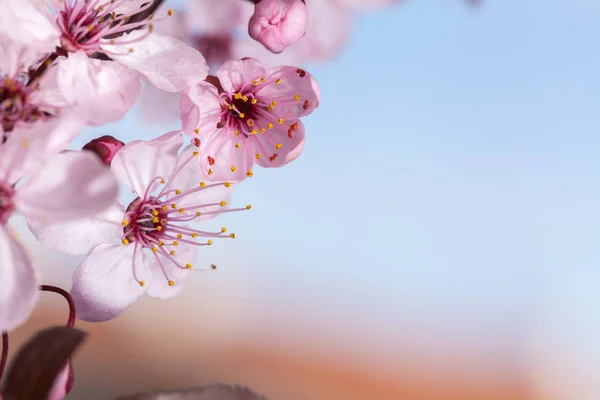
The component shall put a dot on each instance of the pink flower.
(62, 187)
(21, 22)
(104, 27)
(278, 23)
(253, 116)
(105, 147)
(169, 196)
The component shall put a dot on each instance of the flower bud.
(278, 23)
(105, 147)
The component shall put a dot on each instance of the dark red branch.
(4, 356)
(42, 68)
(67, 296)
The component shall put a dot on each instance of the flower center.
(158, 223)
(14, 101)
(86, 25)
(6, 202)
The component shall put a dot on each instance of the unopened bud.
(105, 147)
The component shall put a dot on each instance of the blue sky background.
(449, 183)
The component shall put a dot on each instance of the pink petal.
(104, 284)
(24, 23)
(61, 382)
(30, 145)
(294, 81)
(291, 147)
(107, 88)
(175, 25)
(200, 108)
(71, 185)
(188, 178)
(278, 23)
(158, 106)
(80, 236)
(234, 74)
(160, 288)
(221, 160)
(217, 17)
(18, 282)
(138, 163)
(165, 62)
(130, 7)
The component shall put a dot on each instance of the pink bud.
(278, 23)
(105, 147)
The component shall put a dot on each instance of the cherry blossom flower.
(278, 23)
(22, 23)
(106, 27)
(50, 187)
(251, 115)
(146, 247)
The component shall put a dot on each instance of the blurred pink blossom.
(276, 24)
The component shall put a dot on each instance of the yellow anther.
(254, 100)
(238, 96)
(125, 222)
(173, 206)
(237, 145)
(172, 252)
(171, 283)
(198, 213)
(262, 130)
(165, 208)
(278, 145)
(255, 82)
(210, 171)
(179, 236)
(154, 212)
(159, 228)
(188, 266)
(227, 184)
(161, 243)
(170, 12)
(236, 132)
(155, 220)
(209, 242)
(223, 203)
(262, 79)
(162, 181)
(233, 168)
(273, 103)
(281, 121)
(194, 235)
(242, 115)
(197, 131)
(177, 191)
(223, 229)
(297, 97)
(196, 154)
(175, 243)
(142, 283)
(270, 125)
(249, 173)
(249, 206)
(203, 184)
(258, 156)
(230, 107)
(125, 241)
(181, 210)
(278, 81)
(245, 98)
(253, 131)
(232, 236)
(154, 249)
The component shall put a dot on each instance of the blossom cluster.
(69, 64)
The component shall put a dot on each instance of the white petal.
(139, 162)
(71, 185)
(104, 284)
(18, 282)
(80, 236)
(165, 62)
